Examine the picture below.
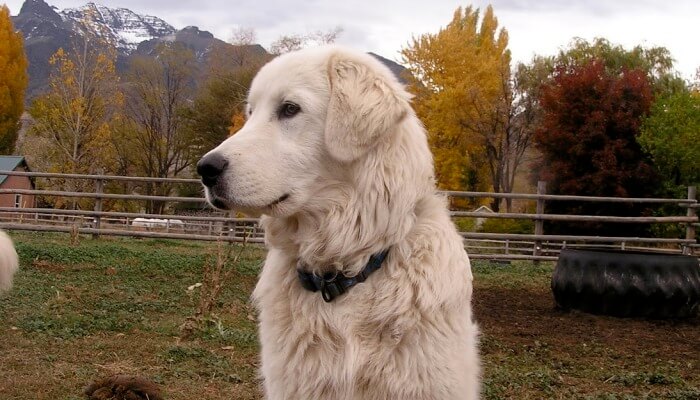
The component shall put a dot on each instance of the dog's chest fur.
(384, 337)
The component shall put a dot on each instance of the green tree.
(671, 134)
(13, 81)
(461, 77)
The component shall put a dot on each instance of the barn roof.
(9, 163)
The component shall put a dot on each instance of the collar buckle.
(330, 289)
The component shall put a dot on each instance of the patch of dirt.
(48, 266)
(523, 316)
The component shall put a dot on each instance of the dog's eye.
(288, 110)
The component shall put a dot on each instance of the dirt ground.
(582, 355)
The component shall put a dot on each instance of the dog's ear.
(365, 104)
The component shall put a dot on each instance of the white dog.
(334, 157)
(9, 262)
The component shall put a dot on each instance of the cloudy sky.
(384, 27)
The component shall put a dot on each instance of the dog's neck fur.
(348, 221)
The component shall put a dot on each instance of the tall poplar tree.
(13, 81)
(459, 76)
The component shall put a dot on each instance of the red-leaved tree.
(591, 118)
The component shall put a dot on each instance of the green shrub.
(498, 225)
(465, 224)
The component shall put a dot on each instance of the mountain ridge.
(120, 26)
(45, 29)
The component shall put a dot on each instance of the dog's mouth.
(278, 201)
(223, 204)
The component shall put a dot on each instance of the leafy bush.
(465, 224)
(498, 225)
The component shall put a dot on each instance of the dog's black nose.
(210, 167)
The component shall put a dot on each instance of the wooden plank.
(91, 213)
(104, 195)
(511, 257)
(557, 197)
(561, 238)
(575, 218)
(105, 177)
(118, 232)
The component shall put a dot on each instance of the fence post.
(99, 189)
(689, 227)
(539, 223)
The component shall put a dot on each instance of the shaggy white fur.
(336, 160)
(9, 262)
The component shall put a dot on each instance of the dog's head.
(311, 115)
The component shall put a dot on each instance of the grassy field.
(80, 312)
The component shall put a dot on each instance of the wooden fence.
(204, 223)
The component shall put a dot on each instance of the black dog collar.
(332, 285)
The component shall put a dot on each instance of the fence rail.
(208, 224)
(574, 218)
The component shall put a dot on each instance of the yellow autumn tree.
(74, 118)
(13, 81)
(237, 122)
(458, 79)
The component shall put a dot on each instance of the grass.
(80, 312)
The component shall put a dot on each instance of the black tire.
(627, 284)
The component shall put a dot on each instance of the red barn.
(15, 163)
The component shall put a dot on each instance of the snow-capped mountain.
(119, 26)
(45, 29)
